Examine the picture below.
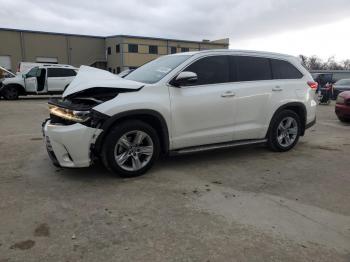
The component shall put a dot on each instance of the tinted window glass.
(173, 49)
(153, 49)
(60, 72)
(109, 50)
(117, 48)
(33, 72)
(284, 70)
(185, 49)
(253, 68)
(211, 70)
(133, 48)
(343, 82)
(155, 70)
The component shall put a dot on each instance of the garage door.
(5, 62)
(50, 60)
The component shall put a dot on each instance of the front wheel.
(131, 148)
(284, 131)
(10, 92)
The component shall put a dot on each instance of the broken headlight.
(69, 114)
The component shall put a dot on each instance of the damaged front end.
(73, 127)
(78, 108)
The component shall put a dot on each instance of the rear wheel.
(131, 148)
(284, 131)
(10, 92)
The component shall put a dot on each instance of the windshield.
(343, 82)
(155, 70)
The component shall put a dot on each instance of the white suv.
(41, 79)
(179, 104)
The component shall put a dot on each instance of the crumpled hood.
(90, 77)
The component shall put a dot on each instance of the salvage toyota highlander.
(178, 104)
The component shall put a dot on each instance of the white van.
(40, 79)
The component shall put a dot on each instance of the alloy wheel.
(133, 150)
(287, 131)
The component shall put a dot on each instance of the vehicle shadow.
(183, 163)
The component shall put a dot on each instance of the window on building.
(153, 49)
(113, 71)
(118, 70)
(133, 48)
(185, 49)
(211, 70)
(173, 50)
(109, 69)
(117, 48)
(60, 72)
(109, 50)
(253, 68)
(284, 70)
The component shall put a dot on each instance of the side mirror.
(185, 78)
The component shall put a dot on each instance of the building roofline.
(168, 39)
(104, 37)
(49, 33)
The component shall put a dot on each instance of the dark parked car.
(341, 86)
(342, 106)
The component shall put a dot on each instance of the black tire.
(344, 119)
(272, 137)
(112, 139)
(10, 92)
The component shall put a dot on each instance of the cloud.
(195, 19)
(265, 23)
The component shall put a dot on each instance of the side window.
(133, 48)
(60, 72)
(284, 70)
(253, 68)
(32, 72)
(153, 49)
(211, 70)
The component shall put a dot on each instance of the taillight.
(312, 85)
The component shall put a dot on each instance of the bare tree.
(316, 63)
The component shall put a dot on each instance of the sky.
(311, 27)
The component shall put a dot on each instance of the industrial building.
(114, 53)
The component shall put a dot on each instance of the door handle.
(228, 94)
(277, 88)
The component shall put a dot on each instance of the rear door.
(59, 78)
(253, 95)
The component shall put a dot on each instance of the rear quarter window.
(284, 70)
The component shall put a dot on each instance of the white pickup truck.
(41, 79)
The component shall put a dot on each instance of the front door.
(30, 80)
(203, 113)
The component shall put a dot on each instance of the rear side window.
(60, 72)
(211, 70)
(284, 70)
(253, 68)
